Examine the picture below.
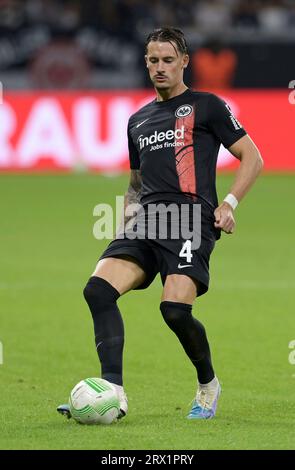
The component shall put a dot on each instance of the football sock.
(192, 335)
(210, 385)
(101, 298)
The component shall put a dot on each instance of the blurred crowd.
(132, 18)
(97, 43)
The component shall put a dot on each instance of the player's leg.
(178, 296)
(123, 273)
(111, 278)
(124, 265)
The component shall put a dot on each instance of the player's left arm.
(250, 167)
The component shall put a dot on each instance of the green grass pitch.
(47, 253)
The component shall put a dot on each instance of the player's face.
(165, 64)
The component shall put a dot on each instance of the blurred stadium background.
(72, 72)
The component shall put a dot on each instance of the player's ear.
(185, 61)
(146, 61)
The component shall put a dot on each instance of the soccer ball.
(94, 401)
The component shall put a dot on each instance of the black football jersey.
(175, 144)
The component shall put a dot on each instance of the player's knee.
(99, 294)
(175, 313)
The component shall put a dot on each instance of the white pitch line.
(247, 284)
(215, 284)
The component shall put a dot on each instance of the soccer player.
(173, 148)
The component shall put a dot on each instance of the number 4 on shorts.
(186, 251)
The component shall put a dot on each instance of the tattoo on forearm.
(133, 193)
(134, 186)
(132, 196)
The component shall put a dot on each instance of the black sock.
(101, 297)
(192, 335)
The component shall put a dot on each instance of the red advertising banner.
(67, 131)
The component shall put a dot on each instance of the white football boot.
(122, 399)
(205, 403)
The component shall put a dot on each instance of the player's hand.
(224, 218)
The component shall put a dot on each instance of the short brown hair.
(168, 34)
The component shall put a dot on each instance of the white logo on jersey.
(142, 122)
(160, 137)
(184, 110)
(233, 119)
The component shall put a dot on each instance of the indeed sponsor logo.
(157, 137)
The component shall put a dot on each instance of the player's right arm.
(131, 201)
(132, 196)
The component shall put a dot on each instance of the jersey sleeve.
(133, 153)
(223, 123)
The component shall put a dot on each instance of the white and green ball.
(94, 401)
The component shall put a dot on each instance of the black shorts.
(165, 257)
